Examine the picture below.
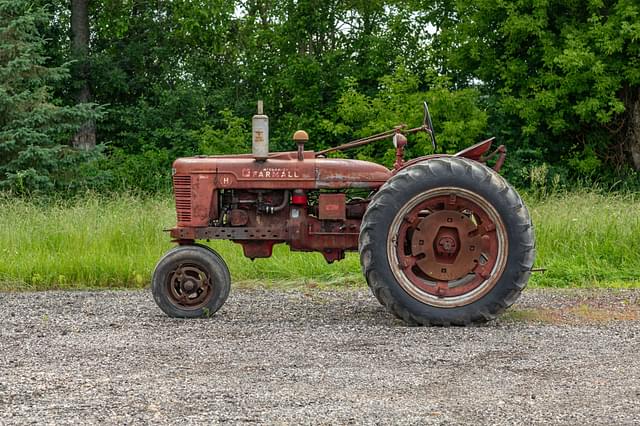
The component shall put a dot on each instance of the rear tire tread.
(421, 173)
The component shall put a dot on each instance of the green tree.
(457, 118)
(562, 77)
(34, 129)
(167, 69)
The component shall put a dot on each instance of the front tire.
(447, 241)
(191, 282)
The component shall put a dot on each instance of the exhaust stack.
(260, 135)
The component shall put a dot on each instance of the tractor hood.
(282, 170)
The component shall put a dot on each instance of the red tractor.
(443, 239)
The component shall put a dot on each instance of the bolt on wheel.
(189, 286)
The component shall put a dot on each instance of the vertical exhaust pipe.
(260, 135)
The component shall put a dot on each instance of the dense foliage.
(563, 77)
(558, 82)
(34, 128)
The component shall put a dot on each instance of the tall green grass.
(587, 238)
(115, 242)
(583, 239)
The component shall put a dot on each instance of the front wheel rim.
(447, 247)
(189, 286)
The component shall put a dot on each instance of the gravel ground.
(316, 357)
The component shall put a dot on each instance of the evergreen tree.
(34, 128)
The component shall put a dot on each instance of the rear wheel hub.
(444, 245)
(449, 245)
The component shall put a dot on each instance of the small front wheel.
(191, 282)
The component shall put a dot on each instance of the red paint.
(282, 200)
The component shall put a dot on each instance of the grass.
(584, 239)
(116, 242)
(588, 239)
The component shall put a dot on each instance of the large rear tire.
(447, 241)
(191, 282)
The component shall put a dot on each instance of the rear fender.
(475, 152)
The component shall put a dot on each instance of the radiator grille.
(182, 191)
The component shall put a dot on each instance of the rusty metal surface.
(443, 258)
(445, 247)
(356, 208)
(250, 202)
(230, 233)
(195, 201)
(501, 153)
(197, 180)
(238, 172)
(332, 206)
(293, 226)
(339, 173)
(257, 249)
(475, 152)
(399, 141)
(238, 217)
(183, 198)
(189, 286)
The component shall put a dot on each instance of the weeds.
(584, 238)
(115, 242)
(587, 238)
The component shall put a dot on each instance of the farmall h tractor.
(443, 239)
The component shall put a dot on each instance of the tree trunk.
(632, 136)
(85, 138)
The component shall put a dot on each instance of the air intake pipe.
(260, 135)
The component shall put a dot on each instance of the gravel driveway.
(316, 357)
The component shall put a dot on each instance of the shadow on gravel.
(582, 314)
(576, 307)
